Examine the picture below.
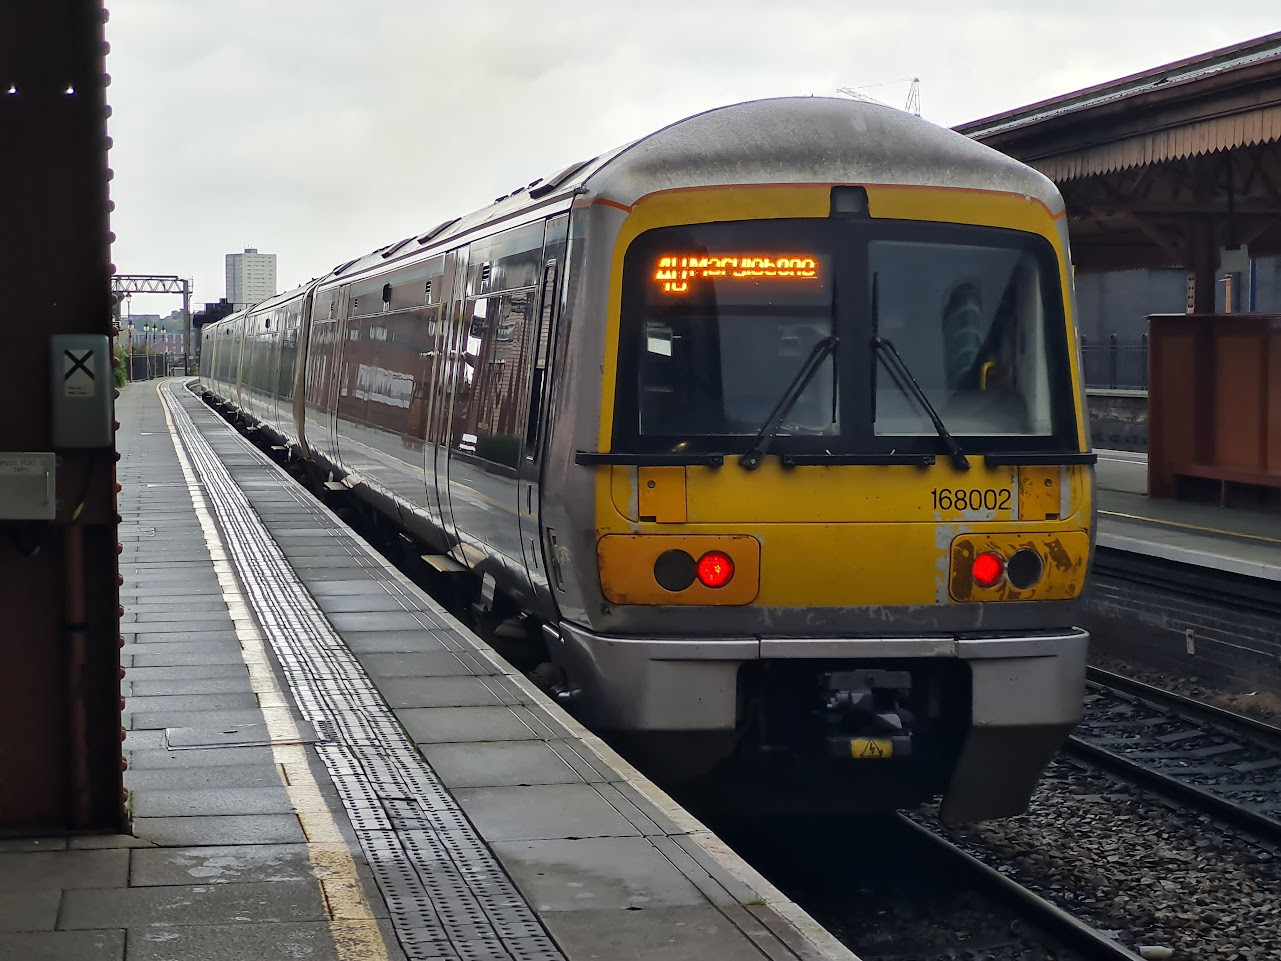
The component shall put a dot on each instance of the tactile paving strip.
(449, 898)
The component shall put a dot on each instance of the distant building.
(251, 277)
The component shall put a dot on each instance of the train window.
(718, 320)
(493, 389)
(969, 318)
(507, 261)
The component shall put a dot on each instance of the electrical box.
(27, 487)
(82, 389)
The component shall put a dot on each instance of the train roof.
(812, 140)
(781, 140)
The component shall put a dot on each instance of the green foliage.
(118, 367)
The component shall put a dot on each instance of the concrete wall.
(1118, 419)
(1119, 302)
(1166, 630)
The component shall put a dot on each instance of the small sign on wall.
(27, 486)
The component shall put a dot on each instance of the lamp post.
(151, 370)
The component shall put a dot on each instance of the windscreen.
(727, 316)
(725, 326)
(970, 322)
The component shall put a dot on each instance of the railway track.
(896, 888)
(1216, 762)
(1081, 939)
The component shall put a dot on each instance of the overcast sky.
(318, 130)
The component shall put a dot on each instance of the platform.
(323, 764)
(1223, 538)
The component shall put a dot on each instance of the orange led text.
(674, 272)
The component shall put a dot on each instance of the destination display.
(676, 273)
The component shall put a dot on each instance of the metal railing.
(1114, 365)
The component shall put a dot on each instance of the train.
(759, 441)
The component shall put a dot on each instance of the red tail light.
(988, 569)
(715, 569)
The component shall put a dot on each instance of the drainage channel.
(447, 895)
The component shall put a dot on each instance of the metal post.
(186, 327)
(1144, 342)
(60, 707)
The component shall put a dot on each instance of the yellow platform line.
(352, 923)
(1192, 527)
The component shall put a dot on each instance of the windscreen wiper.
(752, 459)
(885, 349)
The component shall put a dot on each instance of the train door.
(494, 339)
(275, 340)
(238, 351)
(338, 380)
(537, 416)
(446, 339)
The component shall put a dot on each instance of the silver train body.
(515, 391)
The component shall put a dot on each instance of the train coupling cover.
(865, 716)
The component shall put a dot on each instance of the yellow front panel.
(1040, 498)
(838, 536)
(775, 494)
(662, 494)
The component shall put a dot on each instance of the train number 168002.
(973, 499)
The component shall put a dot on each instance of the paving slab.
(401, 621)
(163, 757)
(29, 910)
(235, 684)
(210, 776)
(542, 812)
(396, 642)
(312, 941)
(221, 864)
(203, 720)
(33, 844)
(213, 801)
(498, 763)
(175, 906)
(64, 946)
(186, 672)
(426, 665)
(190, 657)
(431, 725)
(458, 691)
(660, 934)
(54, 870)
(190, 614)
(219, 636)
(216, 830)
(596, 874)
(336, 587)
(139, 703)
(241, 732)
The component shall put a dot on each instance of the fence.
(146, 366)
(1114, 365)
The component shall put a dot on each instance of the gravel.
(1128, 865)
(1263, 705)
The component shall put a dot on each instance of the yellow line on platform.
(1192, 527)
(352, 923)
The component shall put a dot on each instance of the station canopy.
(1165, 168)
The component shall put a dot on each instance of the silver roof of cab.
(811, 140)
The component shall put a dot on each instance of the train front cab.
(843, 478)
